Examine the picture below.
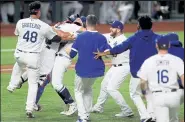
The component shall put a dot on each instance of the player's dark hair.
(34, 7)
(91, 20)
(145, 22)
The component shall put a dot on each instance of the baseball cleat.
(97, 110)
(30, 115)
(72, 109)
(65, 111)
(19, 86)
(153, 120)
(147, 120)
(10, 89)
(82, 120)
(122, 114)
(37, 107)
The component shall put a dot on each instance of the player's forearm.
(120, 48)
(143, 86)
(65, 36)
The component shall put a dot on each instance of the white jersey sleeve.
(142, 73)
(49, 33)
(180, 66)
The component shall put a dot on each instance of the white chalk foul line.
(7, 50)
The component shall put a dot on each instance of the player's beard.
(113, 34)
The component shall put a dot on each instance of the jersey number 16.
(32, 36)
(162, 76)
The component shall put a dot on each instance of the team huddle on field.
(155, 63)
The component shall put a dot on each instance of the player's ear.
(156, 46)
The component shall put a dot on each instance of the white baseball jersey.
(120, 58)
(72, 28)
(32, 34)
(162, 71)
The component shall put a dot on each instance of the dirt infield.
(7, 30)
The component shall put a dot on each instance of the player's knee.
(111, 89)
(103, 86)
(57, 87)
(88, 90)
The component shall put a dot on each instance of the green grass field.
(13, 105)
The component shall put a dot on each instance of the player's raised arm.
(65, 36)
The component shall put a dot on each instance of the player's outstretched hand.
(99, 54)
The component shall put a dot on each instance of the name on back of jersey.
(162, 62)
(31, 25)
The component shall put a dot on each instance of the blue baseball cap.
(83, 18)
(117, 24)
(172, 36)
(163, 42)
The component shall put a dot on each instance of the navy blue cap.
(83, 18)
(172, 36)
(117, 24)
(163, 42)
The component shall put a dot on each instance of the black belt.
(48, 47)
(26, 51)
(117, 65)
(172, 90)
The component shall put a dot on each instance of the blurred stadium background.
(168, 16)
(54, 11)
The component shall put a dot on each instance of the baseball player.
(160, 73)
(51, 62)
(116, 74)
(177, 50)
(31, 33)
(62, 62)
(87, 68)
(142, 46)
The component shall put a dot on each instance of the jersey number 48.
(162, 76)
(30, 36)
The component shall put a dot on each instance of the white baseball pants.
(47, 59)
(60, 67)
(110, 86)
(30, 61)
(135, 94)
(166, 106)
(84, 96)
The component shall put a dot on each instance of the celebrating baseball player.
(51, 61)
(142, 46)
(87, 68)
(160, 74)
(31, 33)
(177, 50)
(62, 62)
(116, 74)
